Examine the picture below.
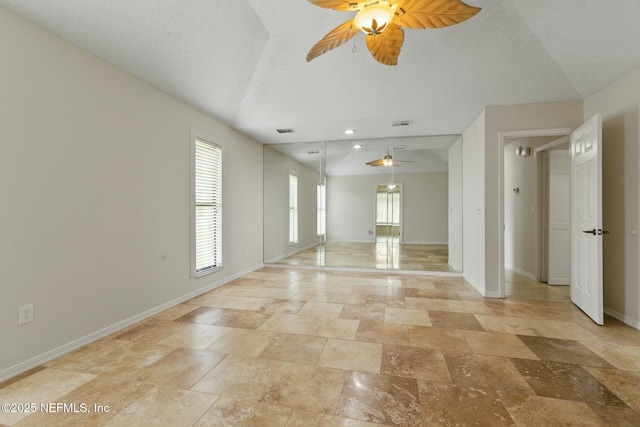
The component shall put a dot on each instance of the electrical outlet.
(25, 314)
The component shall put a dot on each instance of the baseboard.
(367, 270)
(484, 293)
(288, 254)
(424, 243)
(558, 282)
(373, 241)
(472, 283)
(454, 266)
(521, 272)
(634, 323)
(36, 361)
(493, 295)
(351, 241)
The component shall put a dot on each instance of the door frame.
(502, 137)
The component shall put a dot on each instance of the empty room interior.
(319, 213)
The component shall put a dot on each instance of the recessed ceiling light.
(357, 146)
(350, 131)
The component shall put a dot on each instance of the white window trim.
(202, 136)
(297, 231)
(321, 209)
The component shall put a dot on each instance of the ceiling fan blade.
(338, 4)
(379, 162)
(420, 14)
(385, 47)
(389, 162)
(336, 37)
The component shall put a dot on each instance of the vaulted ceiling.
(243, 61)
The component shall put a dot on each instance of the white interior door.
(586, 218)
(559, 220)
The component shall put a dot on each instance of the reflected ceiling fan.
(381, 21)
(387, 160)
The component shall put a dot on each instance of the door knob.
(596, 232)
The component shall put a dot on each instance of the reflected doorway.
(388, 225)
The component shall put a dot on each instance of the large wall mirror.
(374, 203)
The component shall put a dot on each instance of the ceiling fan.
(387, 160)
(381, 21)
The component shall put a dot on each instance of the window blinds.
(293, 208)
(321, 195)
(208, 206)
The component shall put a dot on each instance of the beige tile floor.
(519, 286)
(295, 347)
(380, 255)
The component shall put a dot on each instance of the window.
(321, 193)
(293, 208)
(206, 207)
(388, 207)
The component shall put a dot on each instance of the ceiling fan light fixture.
(374, 18)
(387, 160)
(382, 21)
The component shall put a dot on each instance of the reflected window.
(293, 208)
(388, 209)
(321, 193)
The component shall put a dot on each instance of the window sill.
(207, 271)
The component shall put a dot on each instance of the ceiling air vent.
(313, 152)
(285, 130)
(401, 123)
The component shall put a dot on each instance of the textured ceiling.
(243, 61)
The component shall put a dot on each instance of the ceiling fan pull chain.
(355, 48)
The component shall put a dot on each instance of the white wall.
(481, 181)
(520, 208)
(473, 267)
(94, 196)
(425, 205)
(455, 205)
(619, 104)
(276, 210)
(351, 207)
